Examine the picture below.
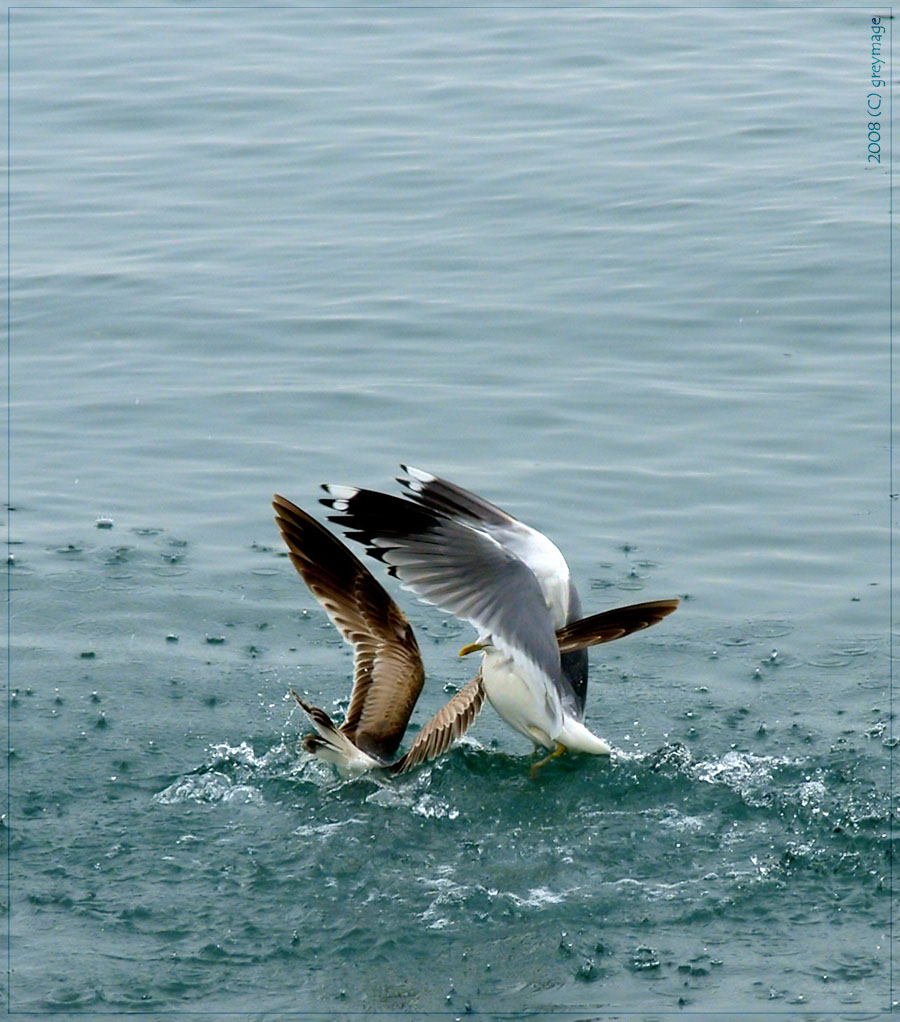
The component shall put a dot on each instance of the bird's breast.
(522, 697)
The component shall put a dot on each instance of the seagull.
(387, 668)
(468, 557)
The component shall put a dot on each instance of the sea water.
(624, 272)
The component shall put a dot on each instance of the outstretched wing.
(449, 723)
(533, 548)
(612, 624)
(460, 569)
(388, 674)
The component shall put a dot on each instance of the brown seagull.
(387, 667)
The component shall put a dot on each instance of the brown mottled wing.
(612, 624)
(387, 669)
(448, 724)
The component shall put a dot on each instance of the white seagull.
(466, 556)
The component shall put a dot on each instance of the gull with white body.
(468, 557)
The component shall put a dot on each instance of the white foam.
(210, 787)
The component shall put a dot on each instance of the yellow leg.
(558, 751)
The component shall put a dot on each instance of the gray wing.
(388, 674)
(449, 723)
(526, 543)
(532, 547)
(456, 567)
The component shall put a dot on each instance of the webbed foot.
(535, 767)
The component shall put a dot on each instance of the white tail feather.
(575, 736)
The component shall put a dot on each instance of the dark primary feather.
(612, 624)
(396, 518)
(574, 663)
(388, 671)
(451, 500)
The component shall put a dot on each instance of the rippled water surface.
(624, 272)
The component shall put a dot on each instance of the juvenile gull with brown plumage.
(387, 668)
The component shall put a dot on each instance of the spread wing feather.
(388, 674)
(612, 624)
(449, 723)
(533, 548)
(460, 569)
(455, 502)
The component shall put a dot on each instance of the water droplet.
(644, 958)
(587, 971)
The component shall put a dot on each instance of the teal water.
(623, 272)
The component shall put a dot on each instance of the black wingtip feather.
(368, 515)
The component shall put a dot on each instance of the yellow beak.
(473, 647)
